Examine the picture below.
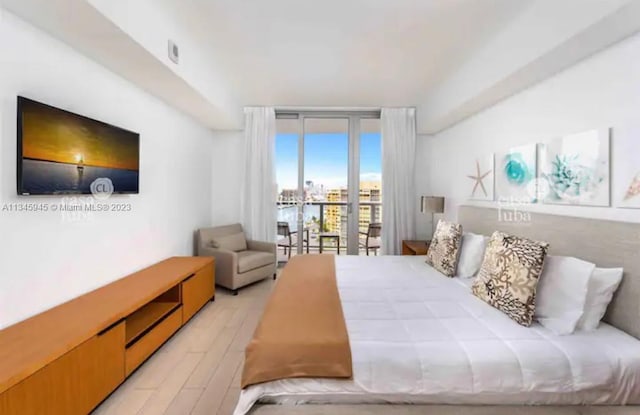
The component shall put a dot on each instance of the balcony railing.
(321, 217)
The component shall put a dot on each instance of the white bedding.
(419, 337)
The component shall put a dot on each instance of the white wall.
(423, 185)
(47, 258)
(602, 91)
(151, 23)
(227, 165)
(517, 53)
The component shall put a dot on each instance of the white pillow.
(562, 293)
(471, 254)
(603, 284)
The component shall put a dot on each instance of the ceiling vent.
(174, 52)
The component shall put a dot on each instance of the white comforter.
(419, 337)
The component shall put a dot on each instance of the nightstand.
(415, 247)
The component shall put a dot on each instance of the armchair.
(239, 261)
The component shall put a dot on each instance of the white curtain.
(398, 184)
(258, 199)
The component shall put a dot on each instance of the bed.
(418, 337)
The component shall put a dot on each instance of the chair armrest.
(261, 246)
(226, 261)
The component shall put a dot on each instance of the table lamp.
(433, 205)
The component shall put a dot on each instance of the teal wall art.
(516, 168)
(577, 170)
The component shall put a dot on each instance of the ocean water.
(290, 214)
(49, 177)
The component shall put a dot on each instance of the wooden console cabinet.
(69, 359)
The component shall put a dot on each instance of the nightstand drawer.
(415, 247)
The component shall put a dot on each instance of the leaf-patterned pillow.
(509, 275)
(444, 248)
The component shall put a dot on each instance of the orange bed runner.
(302, 332)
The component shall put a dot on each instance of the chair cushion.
(285, 241)
(373, 242)
(235, 242)
(248, 260)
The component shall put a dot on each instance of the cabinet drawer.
(74, 383)
(139, 351)
(196, 291)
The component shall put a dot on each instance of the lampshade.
(432, 204)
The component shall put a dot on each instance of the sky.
(326, 158)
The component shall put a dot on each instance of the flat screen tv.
(60, 152)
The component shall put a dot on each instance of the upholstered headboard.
(605, 243)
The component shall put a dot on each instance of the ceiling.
(362, 53)
(448, 58)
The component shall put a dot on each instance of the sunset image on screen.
(64, 152)
(53, 135)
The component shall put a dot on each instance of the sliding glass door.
(326, 182)
(329, 189)
(370, 186)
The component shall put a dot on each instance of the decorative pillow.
(236, 242)
(509, 275)
(562, 293)
(444, 248)
(602, 285)
(471, 254)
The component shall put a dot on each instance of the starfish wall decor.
(479, 179)
(634, 188)
(626, 166)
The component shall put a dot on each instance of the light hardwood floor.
(198, 370)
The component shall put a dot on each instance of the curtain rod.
(325, 109)
(295, 114)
